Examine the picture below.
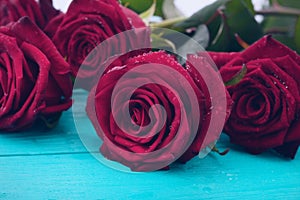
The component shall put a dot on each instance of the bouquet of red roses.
(155, 96)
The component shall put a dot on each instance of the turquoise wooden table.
(43, 164)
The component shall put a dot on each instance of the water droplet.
(130, 21)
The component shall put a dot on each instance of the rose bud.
(266, 106)
(150, 111)
(11, 11)
(86, 24)
(34, 77)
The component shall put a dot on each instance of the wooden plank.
(55, 165)
(62, 138)
(78, 176)
(39, 140)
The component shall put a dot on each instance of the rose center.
(139, 115)
(257, 102)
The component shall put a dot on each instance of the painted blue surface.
(41, 164)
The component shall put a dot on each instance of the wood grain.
(41, 164)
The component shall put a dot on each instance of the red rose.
(215, 104)
(133, 18)
(267, 100)
(136, 132)
(86, 24)
(53, 25)
(221, 58)
(48, 10)
(34, 78)
(11, 11)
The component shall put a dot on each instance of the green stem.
(277, 9)
(168, 23)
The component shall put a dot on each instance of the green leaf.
(201, 37)
(234, 18)
(170, 10)
(214, 27)
(288, 41)
(250, 6)
(238, 77)
(283, 22)
(148, 13)
(224, 19)
(297, 35)
(240, 21)
(158, 42)
(203, 15)
(169, 23)
(140, 6)
(279, 24)
(289, 3)
(221, 40)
